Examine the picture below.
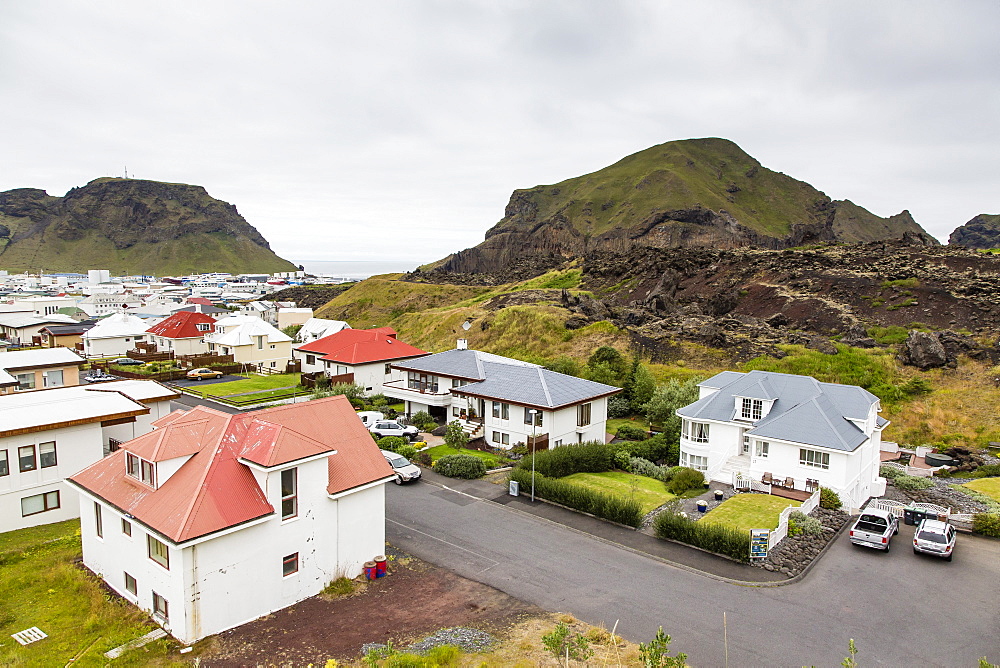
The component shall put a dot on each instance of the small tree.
(291, 330)
(668, 398)
(643, 386)
(454, 437)
(564, 643)
(829, 499)
(656, 653)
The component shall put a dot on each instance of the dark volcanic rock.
(924, 351)
(983, 232)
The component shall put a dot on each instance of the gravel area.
(794, 553)
(466, 639)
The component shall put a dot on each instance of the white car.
(403, 468)
(936, 538)
(392, 428)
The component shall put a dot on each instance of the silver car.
(936, 538)
(403, 468)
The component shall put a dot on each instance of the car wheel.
(896, 531)
(376, 434)
(398, 480)
(948, 558)
(916, 551)
(887, 547)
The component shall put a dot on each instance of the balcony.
(431, 394)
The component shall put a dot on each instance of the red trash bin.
(381, 566)
(370, 569)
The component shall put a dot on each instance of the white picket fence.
(912, 470)
(743, 482)
(778, 535)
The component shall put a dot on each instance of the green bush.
(988, 471)
(454, 437)
(422, 417)
(564, 460)
(804, 524)
(630, 432)
(461, 466)
(392, 443)
(610, 507)
(408, 451)
(986, 524)
(829, 499)
(889, 472)
(644, 467)
(426, 427)
(911, 483)
(619, 407)
(685, 479)
(716, 538)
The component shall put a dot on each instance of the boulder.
(924, 351)
(822, 344)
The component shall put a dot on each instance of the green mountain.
(130, 227)
(695, 192)
(981, 232)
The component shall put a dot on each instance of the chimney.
(463, 344)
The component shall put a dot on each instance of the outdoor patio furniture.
(811, 485)
(767, 479)
(789, 483)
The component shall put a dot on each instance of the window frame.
(126, 527)
(762, 449)
(290, 564)
(751, 409)
(151, 542)
(148, 472)
(527, 416)
(4, 463)
(46, 378)
(42, 454)
(816, 459)
(20, 458)
(584, 414)
(134, 589)
(23, 385)
(98, 520)
(45, 503)
(161, 608)
(292, 497)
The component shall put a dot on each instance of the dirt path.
(415, 600)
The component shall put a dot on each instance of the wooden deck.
(785, 493)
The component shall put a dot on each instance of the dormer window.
(140, 469)
(752, 409)
(204, 327)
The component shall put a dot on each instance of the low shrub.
(392, 443)
(422, 417)
(889, 472)
(460, 466)
(610, 507)
(644, 467)
(424, 459)
(986, 524)
(426, 427)
(911, 483)
(716, 538)
(829, 499)
(631, 433)
(684, 479)
(804, 524)
(988, 471)
(564, 460)
(409, 451)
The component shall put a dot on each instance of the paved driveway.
(901, 609)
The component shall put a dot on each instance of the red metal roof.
(183, 325)
(204, 301)
(362, 346)
(213, 489)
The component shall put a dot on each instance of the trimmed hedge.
(912, 482)
(564, 460)
(392, 443)
(986, 524)
(460, 466)
(716, 538)
(610, 507)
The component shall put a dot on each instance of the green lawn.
(639, 421)
(650, 493)
(439, 451)
(750, 511)
(251, 384)
(40, 586)
(988, 486)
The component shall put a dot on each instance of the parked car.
(404, 469)
(126, 361)
(392, 428)
(936, 538)
(368, 418)
(875, 528)
(98, 376)
(202, 374)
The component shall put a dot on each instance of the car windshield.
(398, 462)
(932, 537)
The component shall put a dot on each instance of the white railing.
(742, 481)
(888, 446)
(888, 505)
(933, 507)
(911, 470)
(778, 535)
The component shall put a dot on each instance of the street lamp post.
(532, 413)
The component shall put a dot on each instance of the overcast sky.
(398, 130)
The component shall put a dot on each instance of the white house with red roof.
(213, 520)
(183, 332)
(360, 356)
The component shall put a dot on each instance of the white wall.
(118, 345)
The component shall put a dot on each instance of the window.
(158, 552)
(583, 415)
(25, 381)
(4, 466)
(98, 520)
(148, 474)
(558, 443)
(52, 378)
(762, 448)
(695, 431)
(505, 439)
(40, 503)
(126, 527)
(289, 493)
(160, 608)
(388, 369)
(260, 343)
(456, 411)
(204, 327)
(820, 460)
(26, 458)
(501, 410)
(458, 382)
(130, 585)
(132, 465)
(527, 417)
(752, 409)
(310, 359)
(496, 437)
(290, 564)
(695, 462)
(47, 454)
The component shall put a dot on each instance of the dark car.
(126, 361)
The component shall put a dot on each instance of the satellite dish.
(466, 325)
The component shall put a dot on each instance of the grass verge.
(650, 493)
(439, 451)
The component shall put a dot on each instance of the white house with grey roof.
(787, 427)
(493, 396)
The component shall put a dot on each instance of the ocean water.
(360, 269)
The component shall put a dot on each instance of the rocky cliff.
(691, 193)
(129, 226)
(981, 232)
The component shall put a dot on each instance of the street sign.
(758, 543)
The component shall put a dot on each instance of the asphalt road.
(901, 609)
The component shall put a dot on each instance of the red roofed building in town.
(183, 332)
(212, 520)
(359, 356)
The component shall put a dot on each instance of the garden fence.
(778, 535)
